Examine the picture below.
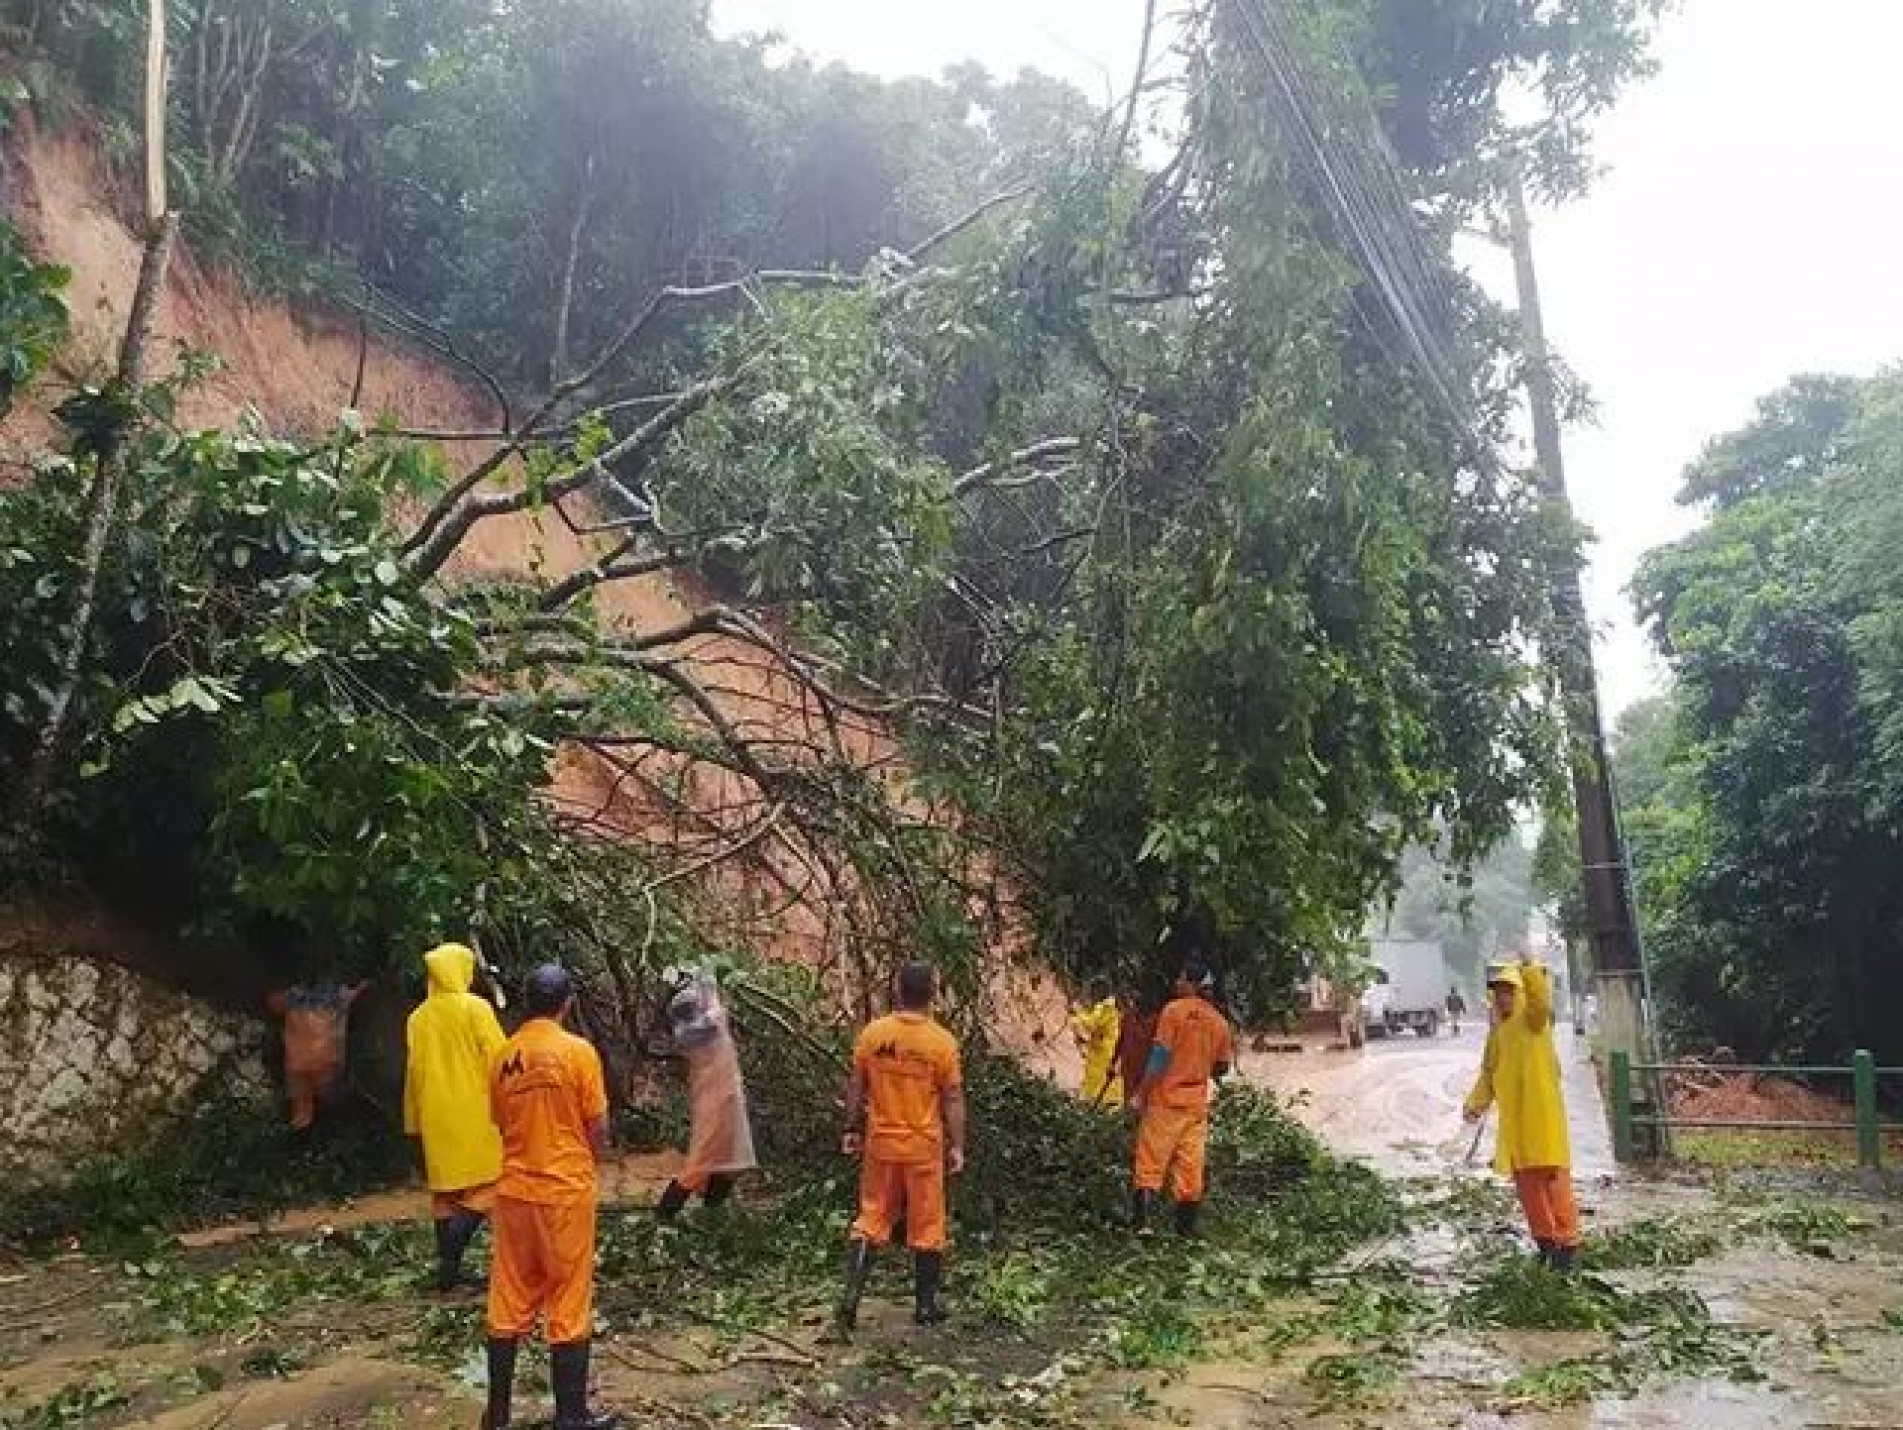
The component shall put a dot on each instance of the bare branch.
(811, 670)
(760, 831)
(1137, 85)
(458, 513)
(917, 254)
(413, 325)
(610, 568)
(1034, 455)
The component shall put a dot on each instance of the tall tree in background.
(1771, 835)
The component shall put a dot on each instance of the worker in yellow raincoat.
(451, 1037)
(1096, 1029)
(1519, 1075)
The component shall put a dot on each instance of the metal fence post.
(1863, 1070)
(1622, 1129)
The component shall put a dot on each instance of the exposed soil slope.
(296, 368)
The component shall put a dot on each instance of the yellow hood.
(452, 1036)
(451, 968)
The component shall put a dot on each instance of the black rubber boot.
(1545, 1253)
(858, 1268)
(1140, 1204)
(928, 1275)
(453, 1235)
(673, 1198)
(1187, 1214)
(719, 1190)
(568, 1369)
(1564, 1259)
(501, 1407)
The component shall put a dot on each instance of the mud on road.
(1807, 1270)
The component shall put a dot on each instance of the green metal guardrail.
(1863, 1073)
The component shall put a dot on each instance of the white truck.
(1410, 987)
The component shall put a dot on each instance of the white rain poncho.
(720, 1141)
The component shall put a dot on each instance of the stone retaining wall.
(97, 1060)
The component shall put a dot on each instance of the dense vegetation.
(1165, 514)
(1765, 814)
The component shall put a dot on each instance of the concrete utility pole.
(1617, 968)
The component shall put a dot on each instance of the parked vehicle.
(1410, 989)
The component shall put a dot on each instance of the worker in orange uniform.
(549, 1099)
(1193, 1047)
(450, 1038)
(1136, 1035)
(1519, 1074)
(316, 1018)
(905, 1115)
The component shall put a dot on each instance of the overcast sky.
(1749, 225)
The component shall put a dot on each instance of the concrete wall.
(95, 1059)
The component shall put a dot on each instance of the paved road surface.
(1397, 1101)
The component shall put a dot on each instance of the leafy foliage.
(262, 670)
(33, 318)
(1766, 818)
(224, 1161)
(1196, 601)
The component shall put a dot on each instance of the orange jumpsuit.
(1173, 1136)
(908, 1062)
(545, 1091)
(316, 1022)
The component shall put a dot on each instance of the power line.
(1361, 181)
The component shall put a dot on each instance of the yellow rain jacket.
(451, 1036)
(1519, 1072)
(1096, 1029)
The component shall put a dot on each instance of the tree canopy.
(1167, 516)
(1766, 818)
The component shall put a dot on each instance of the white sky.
(1749, 225)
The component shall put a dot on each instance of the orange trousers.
(543, 1265)
(305, 1090)
(914, 1190)
(1172, 1141)
(1546, 1196)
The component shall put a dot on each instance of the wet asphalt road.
(1397, 1102)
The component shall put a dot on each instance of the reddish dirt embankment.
(296, 368)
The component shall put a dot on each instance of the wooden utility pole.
(1617, 966)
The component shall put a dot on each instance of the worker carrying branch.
(905, 1117)
(316, 1016)
(1193, 1048)
(550, 1100)
(720, 1136)
(1520, 1076)
(450, 1038)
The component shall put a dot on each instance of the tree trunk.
(564, 309)
(102, 513)
(102, 500)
